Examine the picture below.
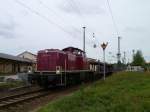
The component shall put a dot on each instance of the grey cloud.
(7, 29)
(82, 7)
(135, 29)
(74, 32)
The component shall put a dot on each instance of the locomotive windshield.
(75, 51)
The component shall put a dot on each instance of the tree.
(138, 59)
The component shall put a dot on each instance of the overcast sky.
(33, 25)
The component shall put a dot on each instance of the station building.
(28, 55)
(10, 64)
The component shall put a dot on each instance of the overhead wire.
(76, 9)
(112, 16)
(56, 14)
(42, 16)
(96, 39)
(114, 21)
(74, 6)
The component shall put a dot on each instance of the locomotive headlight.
(58, 70)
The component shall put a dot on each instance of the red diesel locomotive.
(61, 60)
(65, 67)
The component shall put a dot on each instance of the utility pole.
(124, 57)
(133, 51)
(94, 38)
(119, 54)
(84, 39)
(93, 35)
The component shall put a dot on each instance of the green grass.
(122, 92)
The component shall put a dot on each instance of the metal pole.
(65, 73)
(84, 39)
(104, 64)
(124, 57)
(119, 54)
(104, 47)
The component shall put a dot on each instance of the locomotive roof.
(72, 49)
(50, 50)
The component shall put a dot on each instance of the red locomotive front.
(51, 60)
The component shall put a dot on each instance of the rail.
(15, 99)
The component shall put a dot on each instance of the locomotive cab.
(81, 61)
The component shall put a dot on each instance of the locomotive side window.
(95, 68)
(91, 67)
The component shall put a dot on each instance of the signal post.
(104, 45)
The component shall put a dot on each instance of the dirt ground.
(33, 105)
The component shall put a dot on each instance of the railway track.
(19, 88)
(22, 97)
(22, 103)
